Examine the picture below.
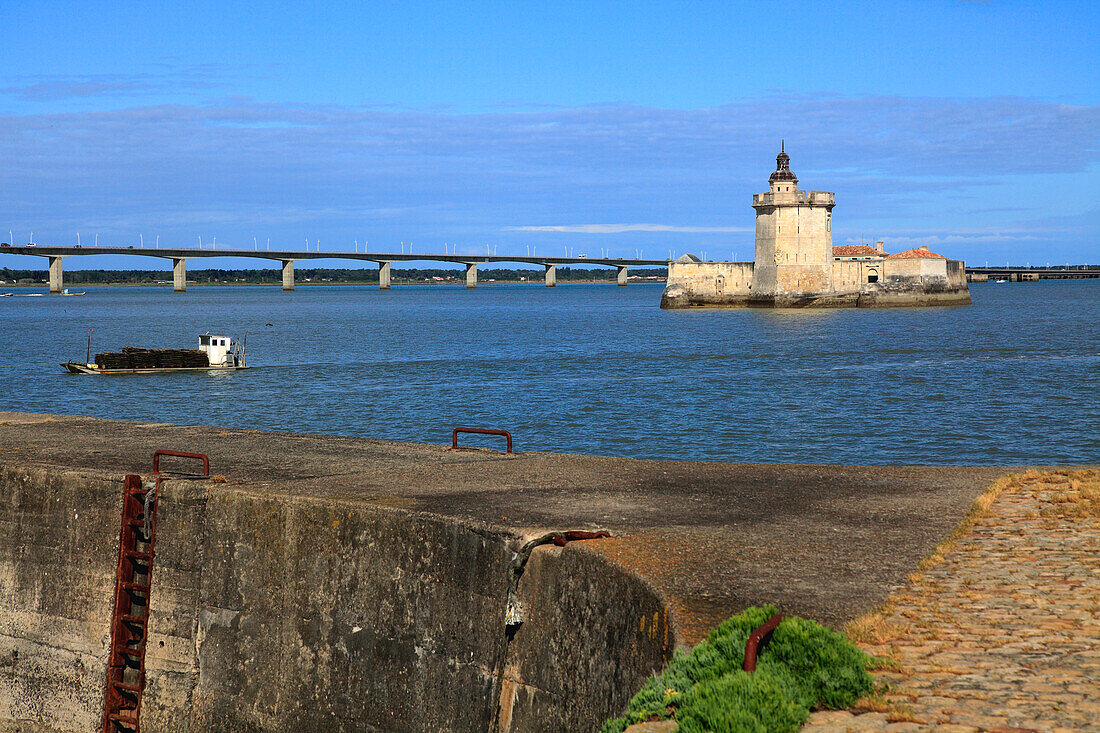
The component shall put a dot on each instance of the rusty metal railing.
(480, 431)
(181, 454)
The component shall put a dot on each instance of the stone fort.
(796, 265)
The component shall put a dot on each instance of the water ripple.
(1012, 379)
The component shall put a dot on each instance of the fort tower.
(797, 266)
(794, 239)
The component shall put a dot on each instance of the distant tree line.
(317, 274)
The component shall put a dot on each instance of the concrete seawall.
(285, 613)
(331, 583)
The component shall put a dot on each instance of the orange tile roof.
(845, 250)
(915, 253)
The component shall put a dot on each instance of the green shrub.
(831, 670)
(763, 701)
(803, 666)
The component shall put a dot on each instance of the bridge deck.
(287, 255)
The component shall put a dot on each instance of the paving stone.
(1002, 635)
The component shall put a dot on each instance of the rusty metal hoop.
(181, 454)
(757, 639)
(480, 431)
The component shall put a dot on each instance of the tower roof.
(851, 250)
(783, 167)
(917, 253)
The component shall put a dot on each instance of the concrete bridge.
(1031, 274)
(179, 257)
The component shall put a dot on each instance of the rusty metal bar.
(562, 538)
(757, 639)
(480, 431)
(181, 454)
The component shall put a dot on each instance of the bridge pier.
(622, 275)
(56, 279)
(551, 275)
(288, 275)
(384, 275)
(471, 275)
(179, 274)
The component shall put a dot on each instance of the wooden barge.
(215, 354)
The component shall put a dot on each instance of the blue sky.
(972, 127)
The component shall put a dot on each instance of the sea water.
(1012, 379)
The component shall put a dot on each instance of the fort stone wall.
(851, 275)
(692, 283)
(853, 284)
(918, 281)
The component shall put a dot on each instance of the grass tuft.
(1076, 499)
(802, 667)
(874, 629)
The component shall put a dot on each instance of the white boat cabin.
(218, 349)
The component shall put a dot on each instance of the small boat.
(216, 353)
(7, 295)
(66, 292)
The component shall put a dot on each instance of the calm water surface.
(1013, 379)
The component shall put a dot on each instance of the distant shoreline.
(301, 284)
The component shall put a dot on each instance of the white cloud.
(54, 88)
(620, 228)
(897, 242)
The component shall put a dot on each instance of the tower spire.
(783, 166)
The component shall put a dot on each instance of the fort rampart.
(855, 284)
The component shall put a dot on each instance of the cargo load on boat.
(134, 357)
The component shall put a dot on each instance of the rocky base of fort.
(887, 295)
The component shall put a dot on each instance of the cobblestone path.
(1000, 629)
